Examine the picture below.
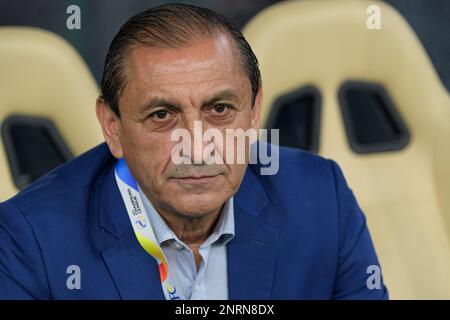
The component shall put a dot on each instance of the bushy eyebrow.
(157, 102)
(227, 95)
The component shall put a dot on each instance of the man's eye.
(160, 115)
(220, 108)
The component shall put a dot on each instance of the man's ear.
(110, 124)
(256, 110)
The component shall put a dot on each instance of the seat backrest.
(397, 161)
(47, 105)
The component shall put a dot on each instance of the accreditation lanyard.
(142, 227)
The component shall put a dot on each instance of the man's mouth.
(196, 179)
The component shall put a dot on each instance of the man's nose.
(200, 149)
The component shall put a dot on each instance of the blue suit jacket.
(299, 235)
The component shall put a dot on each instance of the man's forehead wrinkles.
(196, 68)
(188, 80)
(213, 76)
(188, 84)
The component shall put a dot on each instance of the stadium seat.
(371, 100)
(47, 106)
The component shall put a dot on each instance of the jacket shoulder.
(296, 168)
(69, 178)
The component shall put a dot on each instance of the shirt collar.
(223, 231)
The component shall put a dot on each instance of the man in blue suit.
(126, 221)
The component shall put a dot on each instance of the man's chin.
(198, 205)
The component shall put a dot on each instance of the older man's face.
(169, 89)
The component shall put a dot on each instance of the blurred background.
(365, 83)
(101, 19)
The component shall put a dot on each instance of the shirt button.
(178, 245)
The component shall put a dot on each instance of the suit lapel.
(135, 273)
(251, 255)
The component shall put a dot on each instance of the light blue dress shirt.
(210, 282)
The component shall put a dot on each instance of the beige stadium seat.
(405, 193)
(47, 89)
